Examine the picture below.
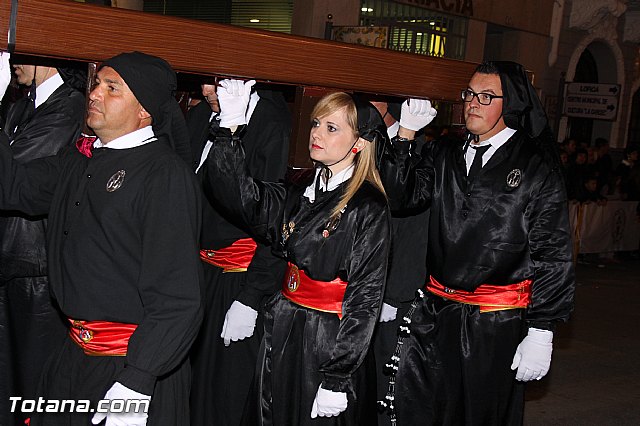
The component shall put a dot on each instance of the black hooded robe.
(407, 269)
(222, 375)
(129, 256)
(455, 365)
(303, 347)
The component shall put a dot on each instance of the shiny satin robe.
(509, 224)
(489, 231)
(302, 347)
(222, 375)
(30, 324)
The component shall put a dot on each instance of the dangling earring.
(354, 150)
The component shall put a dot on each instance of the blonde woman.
(331, 224)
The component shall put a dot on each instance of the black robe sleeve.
(268, 134)
(407, 181)
(361, 305)
(409, 239)
(168, 284)
(29, 187)
(55, 124)
(258, 205)
(550, 251)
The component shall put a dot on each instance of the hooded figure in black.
(331, 224)
(499, 257)
(154, 84)
(407, 264)
(122, 240)
(31, 327)
(223, 357)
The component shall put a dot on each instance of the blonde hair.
(365, 160)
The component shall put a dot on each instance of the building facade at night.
(584, 55)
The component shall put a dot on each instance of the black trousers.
(70, 374)
(222, 375)
(455, 367)
(31, 329)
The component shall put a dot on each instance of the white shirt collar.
(498, 139)
(334, 182)
(130, 140)
(496, 142)
(46, 89)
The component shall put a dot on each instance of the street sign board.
(593, 89)
(591, 100)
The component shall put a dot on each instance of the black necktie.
(476, 164)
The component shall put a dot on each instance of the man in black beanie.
(38, 125)
(499, 256)
(123, 252)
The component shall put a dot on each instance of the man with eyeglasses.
(499, 255)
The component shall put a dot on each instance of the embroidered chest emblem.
(514, 178)
(115, 181)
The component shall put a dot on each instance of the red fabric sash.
(488, 297)
(235, 258)
(102, 338)
(323, 296)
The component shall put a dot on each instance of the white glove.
(533, 355)
(120, 392)
(328, 403)
(239, 323)
(5, 72)
(416, 113)
(233, 96)
(388, 313)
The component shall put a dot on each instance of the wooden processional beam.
(86, 32)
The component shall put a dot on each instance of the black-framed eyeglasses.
(483, 98)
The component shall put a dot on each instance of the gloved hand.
(239, 323)
(388, 313)
(120, 392)
(533, 355)
(5, 72)
(416, 113)
(328, 403)
(233, 96)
